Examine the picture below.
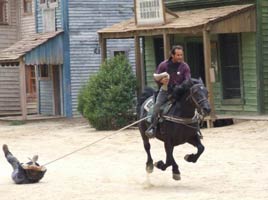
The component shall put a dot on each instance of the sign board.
(149, 12)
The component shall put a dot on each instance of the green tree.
(107, 100)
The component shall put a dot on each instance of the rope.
(84, 147)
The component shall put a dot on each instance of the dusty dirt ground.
(234, 165)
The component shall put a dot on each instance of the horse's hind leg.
(200, 149)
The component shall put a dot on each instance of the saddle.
(164, 109)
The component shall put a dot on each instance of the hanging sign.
(149, 12)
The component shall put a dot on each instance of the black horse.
(179, 125)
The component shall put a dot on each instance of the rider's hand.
(164, 81)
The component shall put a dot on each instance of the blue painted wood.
(51, 52)
(45, 97)
(80, 21)
(85, 19)
(66, 64)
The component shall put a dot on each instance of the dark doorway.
(195, 59)
(159, 50)
(57, 91)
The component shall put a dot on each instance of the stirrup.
(150, 132)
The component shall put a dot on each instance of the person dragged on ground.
(24, 173)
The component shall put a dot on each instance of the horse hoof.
(149, 168)
(160, 165)
(186, 157)
(176, 177)
(190, 158)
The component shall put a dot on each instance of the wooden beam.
(23, 98)
(207, 58)
(192, 31)
(166, 39)
(103, 46)
(138, 65)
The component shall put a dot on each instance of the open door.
(31, 94)
(195, 59)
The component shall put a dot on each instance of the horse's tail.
(147, 92)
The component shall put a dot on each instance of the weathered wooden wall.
(150, 63)
(40, 16)
(85, 19)
(27, 22)
(9, 32)
(263, 44)
(46, 95)
(248, 73)
(9, 89)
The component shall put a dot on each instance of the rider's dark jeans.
(162, 97)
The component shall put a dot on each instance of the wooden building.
(225, 43)
(56, 58)
(16, 22)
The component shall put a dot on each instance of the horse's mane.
(181, 89)
(187, 84)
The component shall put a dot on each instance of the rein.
(197, 118)
(191, 95)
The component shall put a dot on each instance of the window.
(53, 3)
(30, 83)
(42, 1)
(3, 11)
(27, 6)
(230, 65)
(43, 71)
(119, 51)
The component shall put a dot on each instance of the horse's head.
(198, 93)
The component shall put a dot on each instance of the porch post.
(23, 99)
(166, 39)
(207, 58)
(138, 65)
(103, 46)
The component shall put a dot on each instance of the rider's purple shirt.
(178, 72)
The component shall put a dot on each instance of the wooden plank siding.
(46, 97)
(85, 19)
(9, 32)
(264, 50)
(39, 16)
(9, 89)
(150, 64)
(248, 84)
(27, 23)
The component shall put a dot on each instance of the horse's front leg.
(146, 144)
(169, 161)
(149, 163)
(200, 149)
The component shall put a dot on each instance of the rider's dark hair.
(173, 50)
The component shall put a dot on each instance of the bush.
(107, 100)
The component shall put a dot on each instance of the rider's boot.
(151, 131)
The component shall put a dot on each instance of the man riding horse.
(174, 71)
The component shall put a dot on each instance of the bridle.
(192, 96)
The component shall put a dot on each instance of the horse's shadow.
(167, 186)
